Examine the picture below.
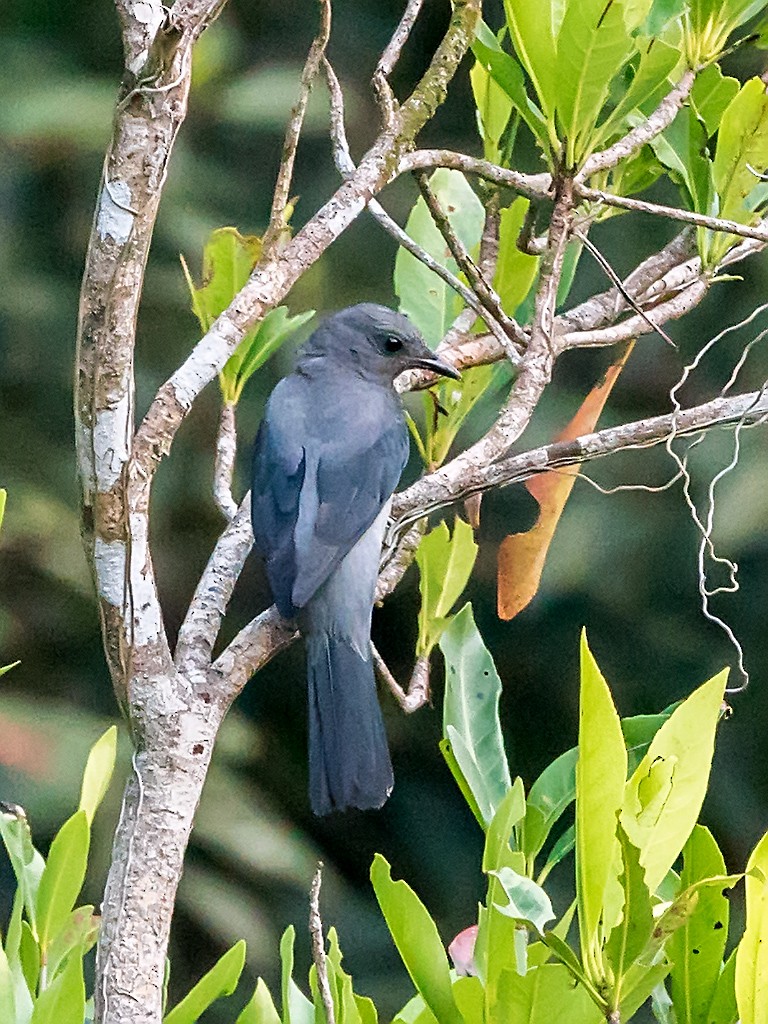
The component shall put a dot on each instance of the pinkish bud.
(462, 952)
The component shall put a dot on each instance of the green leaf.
(498, 852)
(630, 936)
(446, 749)
(445, 564)
(228, 259)
(425, 298)
(723, 1009)
(256, 348)
(601, 771)
(682, 149)
(751, 979)
(220, 981)
(593, 46)
(544, 995)
(98, 772)
(3, 499)
(562, 847)
(457, 398)
(63, 877)
(471, 713)
(508, 75)
(7, 668)
(666, 791)
(27, 863)
(494, 108)
(7, 994)
(527, 901)
(640, 983)
(63, 1002)
(696, 949)
(711, 94)
(555, 788)
(550, 794)
(260, 1009)
(533, 30)
(515, 270)
(78, 935)
(470, 999)
(650, 82)
(417, 940)
(29, 957)
(742, 142)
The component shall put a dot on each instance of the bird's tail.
(349, 763)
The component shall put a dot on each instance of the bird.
(328, 456)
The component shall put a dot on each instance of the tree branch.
(648, 129)
(277, 220)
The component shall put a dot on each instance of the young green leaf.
(7, 994)
(498, 850)
(445, 564)
(508, 75)
(457, 399)
(417, 940)
(533, 29)
(98, 772)
(723, 1008)
(260, 1009)
(630, 936)
(666, 791)
(650, 82)
(228, 259)
(26, 862)
(63, 1002)
(696, 949)
(469, 995)
(63, 877)
(297, 1009)
(446, 749)
(751, 979)
(528, 902)
(711, 94)
(544, 995)
(423, 296)
(220, 981)
(515, 270)
(742, 147)
(78, 935)
(601, 773)
(470, 712)
(494, 109)
(593, 46)
(256, 348)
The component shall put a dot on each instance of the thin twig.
(282, 191)
(417, 694)
(613, 276)
(510, 329)
(390, 57)
(537, 186)
(318, 946)
(346, 167)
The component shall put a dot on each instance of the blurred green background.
(624, 566)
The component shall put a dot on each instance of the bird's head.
(374, 342)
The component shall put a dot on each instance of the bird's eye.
(393, 344)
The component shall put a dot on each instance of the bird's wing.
(279, 467)
(342, 494)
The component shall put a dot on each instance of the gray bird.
(327, 457)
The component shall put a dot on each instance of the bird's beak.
(436, 366)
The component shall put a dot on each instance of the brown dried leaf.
(522, 555)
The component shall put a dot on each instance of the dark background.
(624, 566)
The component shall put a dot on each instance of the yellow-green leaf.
(62, 879)
(665, 793)
(752, 952)
(445, 564)
(601, 772)
(98, 772)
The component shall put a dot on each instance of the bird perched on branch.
(328, 455)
